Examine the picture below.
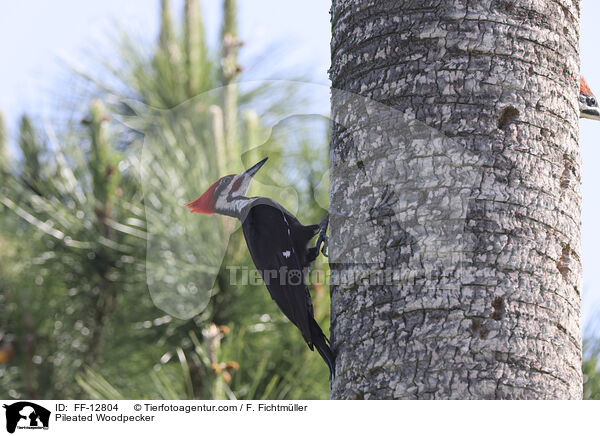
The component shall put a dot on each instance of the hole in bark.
(538, 106)
(499, 308)
(508, 115)
(509, 6)
(360, 164)
(565, 178)
(566, 30)
(561, 328)
(479, 328)
(358, 396)
(563, 263)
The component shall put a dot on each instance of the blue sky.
(36, 34)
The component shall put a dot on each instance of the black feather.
(278, 245)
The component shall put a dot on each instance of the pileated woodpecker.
(278, 245)
(588, 104)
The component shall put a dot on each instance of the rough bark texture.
(463, 182)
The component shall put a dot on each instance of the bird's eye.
(222, 184)
(592, 101)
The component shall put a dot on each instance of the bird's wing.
(269, 239)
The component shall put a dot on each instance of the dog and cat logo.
(26, 415)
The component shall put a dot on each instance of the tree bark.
(455, 172)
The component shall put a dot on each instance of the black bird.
(278, 245)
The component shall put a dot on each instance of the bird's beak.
(592, 114)
(254, 169)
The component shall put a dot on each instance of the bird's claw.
(324, 249)
(323, 239)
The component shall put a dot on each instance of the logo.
(26, 415)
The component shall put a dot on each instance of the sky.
(38, 39)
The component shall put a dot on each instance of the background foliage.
(79, 205)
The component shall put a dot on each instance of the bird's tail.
(321, 343)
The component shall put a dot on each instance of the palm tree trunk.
(455, 192)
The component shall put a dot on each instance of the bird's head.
(588, 104)
(227, 194)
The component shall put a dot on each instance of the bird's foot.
(323, 239)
